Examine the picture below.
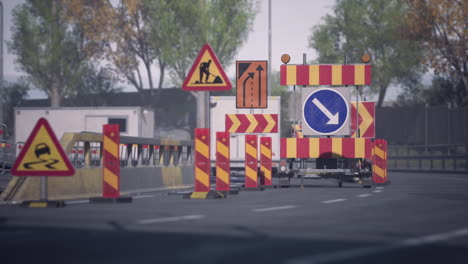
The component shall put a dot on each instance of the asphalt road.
(419, 218)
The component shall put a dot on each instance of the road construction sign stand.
(251, 164)
(111, 167)
(43, 156)
(202, 168)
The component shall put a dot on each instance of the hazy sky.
(292, 22)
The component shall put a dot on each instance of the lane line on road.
(334, 201)
(285, 207)
(169, 219)
(142, 196)
(377, 191)
(364, 195)
(78, 202)
(374, 250)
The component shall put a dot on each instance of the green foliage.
(372, 26)
(49, 49)
(11, 95)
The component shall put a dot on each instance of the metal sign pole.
(43, 188)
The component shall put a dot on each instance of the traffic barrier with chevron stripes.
(365, 119)
(357, 74)
(265, 161)
(379, 161)
(251, 161)
(326, 148)
(202, 160)
(252, 123)
(223, 162)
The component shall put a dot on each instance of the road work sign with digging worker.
(206, 73)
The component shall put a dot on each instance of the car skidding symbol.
(39, 150)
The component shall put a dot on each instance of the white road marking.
(377, 191)
(142, 196)
(285, 207)
(367, 251)
(364, 195)
(78, 202)
(334, 201)
(169, 219)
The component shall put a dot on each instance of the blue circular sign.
(325, 111)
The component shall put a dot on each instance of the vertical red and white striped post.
(379, 161)
(251, 161)
(223, 162)
(202, 160)
(111, 166)
(265, 160)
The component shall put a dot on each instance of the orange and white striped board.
(251, 161)
(326, 148)
(379, 161)
(202, 160)
(251, 123)
(366, 119)
(223, 162)
(350, 74)
(265, 160)
(111, 161)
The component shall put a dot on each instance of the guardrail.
(428, 158)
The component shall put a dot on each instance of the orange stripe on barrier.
(202, 160)
(251, 161)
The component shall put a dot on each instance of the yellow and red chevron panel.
(326, 148)
(223, 162)
(379, 161)
(111, 161)
(202, 160)
(252, 123)
(350, 74)
(265, 160)
(366, 119)
(251, 161)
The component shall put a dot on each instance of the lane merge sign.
(42, 154)
(206, 73)
(325, 111)
(251, 80)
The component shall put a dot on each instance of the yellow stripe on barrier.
(222, 149)
(379, 152)
(222, 174)
(291, 74)
(251, 173)
(379, 171)
(291, 148)
(111, 179)
(337, 147)
(271, 123)
(314, 148)
(314, 75)
(202, 148)
(265, 151)
(111, 147)
(251, 150)
(253, 123)
(359, 74)
(360, 148)
(336, 75)
(202, 177)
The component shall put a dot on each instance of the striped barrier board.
(379, 161)
(265, 160)
(202, 160)
(353, 74)
(365, 118)
(326, 148)
(251, 161)
(251, 123)
(223, 162)
(111, 161)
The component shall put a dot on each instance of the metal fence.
(428, 158)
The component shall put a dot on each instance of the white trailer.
(224, 105)
(133, 121)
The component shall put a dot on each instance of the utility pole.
(1, 58)
(269, 49)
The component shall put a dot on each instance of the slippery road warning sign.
(206, 73)
(251, 84)
(42, 154)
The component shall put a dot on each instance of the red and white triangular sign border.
(42, 122)
(186, 86)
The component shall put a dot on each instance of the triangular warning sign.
(206, 73)
(42, 154)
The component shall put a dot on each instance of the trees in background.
(372, 26)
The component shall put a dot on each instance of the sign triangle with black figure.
(42, 154)
(206, 73)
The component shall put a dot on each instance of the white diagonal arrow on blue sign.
(333, 118)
